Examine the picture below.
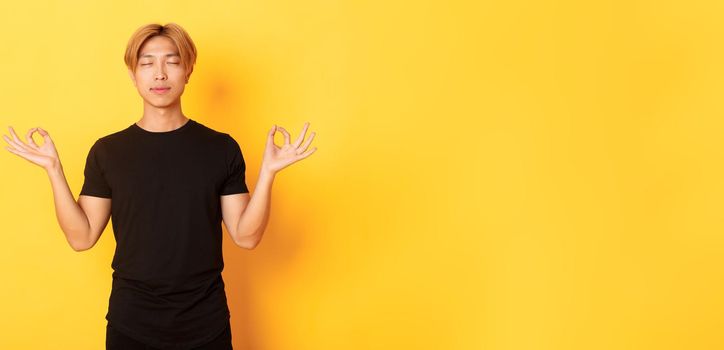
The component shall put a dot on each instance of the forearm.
(71, 217)
(255, 216)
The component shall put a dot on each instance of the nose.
(161, 74)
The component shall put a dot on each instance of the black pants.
(116, 340)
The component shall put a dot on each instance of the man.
(171, 180)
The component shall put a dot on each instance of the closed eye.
(148, 64)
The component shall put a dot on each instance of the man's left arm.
(246, 216)
(246, 223)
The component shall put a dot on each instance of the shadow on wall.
(226, 94)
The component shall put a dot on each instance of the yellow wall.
(489, 174)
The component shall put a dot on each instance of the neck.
(160, 119)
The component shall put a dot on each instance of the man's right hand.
(45, 156)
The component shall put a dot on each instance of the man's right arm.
(83, 221)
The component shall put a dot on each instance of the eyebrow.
(167, 55)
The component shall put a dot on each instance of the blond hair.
(173, 31)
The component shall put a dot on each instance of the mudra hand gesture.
(278, 158)
(44, 155)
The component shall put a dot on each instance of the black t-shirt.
(165, 187)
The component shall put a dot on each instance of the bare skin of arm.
(246, 217)
(81, 221)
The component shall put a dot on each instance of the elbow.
(77, 238)
(79, 248)
(246, 245)
(247, 242)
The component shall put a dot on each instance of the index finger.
(29, 137)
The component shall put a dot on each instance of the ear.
(133, 77)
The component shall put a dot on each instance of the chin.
(161, 104)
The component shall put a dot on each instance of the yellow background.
(489, 174)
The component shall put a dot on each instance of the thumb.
(44, 133)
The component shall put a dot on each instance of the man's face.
(159, 66)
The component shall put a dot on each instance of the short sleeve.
(236, 167)
(95, 183)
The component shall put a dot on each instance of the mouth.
(160, 90)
